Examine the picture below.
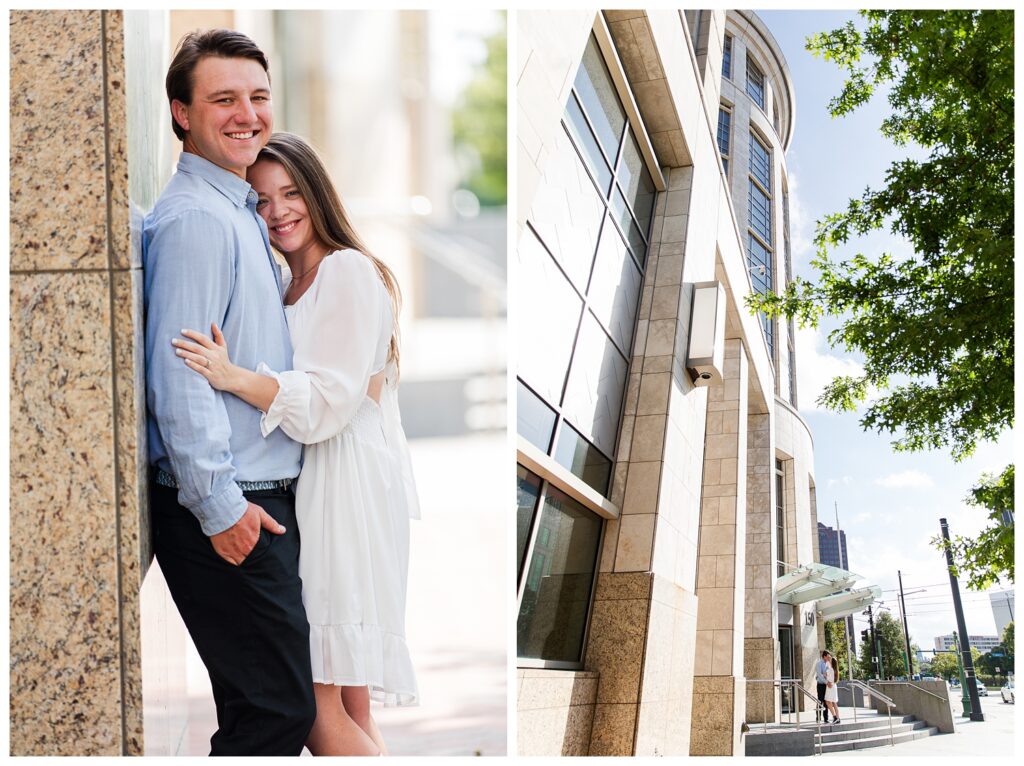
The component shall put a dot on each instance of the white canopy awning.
(830, 587)
(811, 581)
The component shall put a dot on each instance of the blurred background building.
(1002, 609)
(408, 110)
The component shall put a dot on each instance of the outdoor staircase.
(871, 729)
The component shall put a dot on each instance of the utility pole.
(874, 645)
(906, 629)
(965, 643)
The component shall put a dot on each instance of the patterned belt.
(166, 480)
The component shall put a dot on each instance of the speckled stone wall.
(78, 546)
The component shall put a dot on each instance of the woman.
(831, 689)
(355, 494)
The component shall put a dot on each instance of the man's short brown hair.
(193, 48)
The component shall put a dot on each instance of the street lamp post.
(965, 646)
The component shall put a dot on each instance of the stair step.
(870, 732)
(878, 741)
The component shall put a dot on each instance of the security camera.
(759, 269)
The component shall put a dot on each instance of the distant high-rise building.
(1002, 609)
(832, 549)
(831, 545)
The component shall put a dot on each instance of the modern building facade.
(1002, 609)
(665, 526)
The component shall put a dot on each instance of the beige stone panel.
(654, 389)
(720, 490)
(619, 483)
(730, 468)
(653, 365)
(674, 228)
(558, 689)
(712, 472)
(642, 485)
(704, 650)
(652, 729)
(648, 436)
(609, 545)
(661, 337)
(665, 303)
(670, 269)
(714, 611)
(613, 730)
(727, 509)
(725, 572)
(58, 212)
(715, 423)
(636, 543)
(555, 731)
(64, 640)
(720, 446)
(722, 664)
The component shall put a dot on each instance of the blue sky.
(889, 502)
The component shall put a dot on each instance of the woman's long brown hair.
(330, 221)
(835, 668)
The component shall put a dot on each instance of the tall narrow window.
(780, 518)
(755, 82)
(759, 233)
(727, 57)
(724, 124)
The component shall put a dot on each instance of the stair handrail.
(795, 684)
(919, 688)
(871, 692)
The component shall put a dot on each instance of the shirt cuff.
(290, 397)
(222, 511)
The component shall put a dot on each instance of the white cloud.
(800, 235)
(906, 480)
(815, 369)
(845, 481)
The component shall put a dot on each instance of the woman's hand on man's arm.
(209, 357)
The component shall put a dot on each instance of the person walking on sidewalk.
(821, 668)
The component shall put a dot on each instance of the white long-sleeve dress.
(355, 494)
(831, 692)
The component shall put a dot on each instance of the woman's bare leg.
(334, 732)
(356, 700)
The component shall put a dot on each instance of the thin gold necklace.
(296, 279)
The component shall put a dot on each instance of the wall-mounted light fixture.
(706, 351)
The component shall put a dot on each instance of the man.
(820, 669)
(223, 514)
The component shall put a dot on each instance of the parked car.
(982, 691)
(1007, 692)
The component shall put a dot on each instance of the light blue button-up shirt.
(206, 258)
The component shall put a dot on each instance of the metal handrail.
(920, 689)
(874, 693)
(794, 684)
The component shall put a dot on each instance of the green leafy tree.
(479, 125)
(890, 634)
(835, 642)
(1007, 640)
(945, 666)
(990, 555)
(935, 330)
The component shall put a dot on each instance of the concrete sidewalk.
(991, 738)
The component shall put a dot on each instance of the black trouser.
(821, 699)
(247, 622)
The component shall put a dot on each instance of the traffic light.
(864, 635)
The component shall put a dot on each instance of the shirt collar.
(227, 183)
